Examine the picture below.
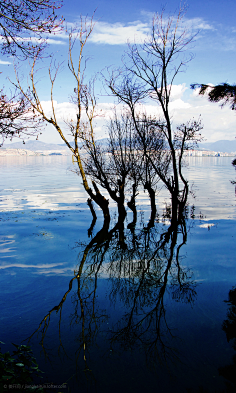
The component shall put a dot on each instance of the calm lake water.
(139, 310)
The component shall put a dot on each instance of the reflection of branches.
(85, 300)
(141, 286)
(98, 239)
(143, 266)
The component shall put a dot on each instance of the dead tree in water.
(113, 165)
(151, 141)
(149, 72)
(161, 147)
(85, 102)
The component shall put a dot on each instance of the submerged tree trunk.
(90, 204)
(121, 242)
(121, 211)
(101, 201)
(174, 208)
(121, 202)
(131, 204)
(148, 187)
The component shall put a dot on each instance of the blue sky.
(119, 21)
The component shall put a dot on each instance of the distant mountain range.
(37, 145)
(222, 146)
(34, 146)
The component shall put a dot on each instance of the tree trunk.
(121, 211)
(101, 201)
(121, 202)
(121, 242)
(90, 204)
(152, 195)
(131, 204)
(175, 208)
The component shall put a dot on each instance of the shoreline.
(25, 152)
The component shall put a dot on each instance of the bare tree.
(82, 127)
(114, 164)
(151, 142)
(125, 161)
(150, 71)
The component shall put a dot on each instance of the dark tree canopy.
(223, 92)
(23, 23)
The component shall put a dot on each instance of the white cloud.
(138, 31)
(119, 33)
(219, 123)
(36, 40)
(64, 110)
(198, 24)
(179, 104)
(55, 42)
(177, 91)
(4, 62)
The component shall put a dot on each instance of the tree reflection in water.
(143, 267)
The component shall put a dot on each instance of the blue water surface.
(107, 317)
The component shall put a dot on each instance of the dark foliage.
(223, 92)
(18, 370)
